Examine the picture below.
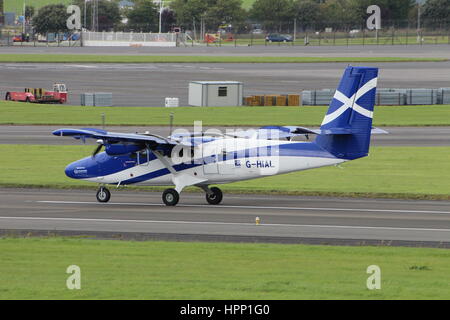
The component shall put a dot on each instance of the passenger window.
(143, 158)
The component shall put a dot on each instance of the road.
(150, 84)
(410, 51)
(284, 219)
(397, 137)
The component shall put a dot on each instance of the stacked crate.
(421, 96)
(443, 95)
(103, 99)
(272, 100)
(87, 99)
(318, 97)
(99, 99)
(293, 100)
(391, 97)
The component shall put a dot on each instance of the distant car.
(257, 31)
(275, 37)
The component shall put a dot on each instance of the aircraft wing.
(114, 137)
(278, 132)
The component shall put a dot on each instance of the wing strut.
(181, 180)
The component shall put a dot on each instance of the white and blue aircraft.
(203, 159)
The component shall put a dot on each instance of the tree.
(168, 20)
(213, 12)
(391, 11)
(274, 15)
(108, 14)
(29, 12)
(307, 13)
(1, 13)
(144, 16)
(51, 18)
(436, 13)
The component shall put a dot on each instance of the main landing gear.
(214, 196)
(170, 197)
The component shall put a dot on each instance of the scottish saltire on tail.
(203, 159)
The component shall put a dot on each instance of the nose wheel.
(103, 195)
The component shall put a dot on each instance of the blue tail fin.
(346, 129)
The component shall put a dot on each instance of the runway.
(397, 137)
(284, 219)
(150, 84)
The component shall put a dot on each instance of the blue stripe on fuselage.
(110, 165)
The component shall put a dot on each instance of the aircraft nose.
(82, 169)
(75, 170)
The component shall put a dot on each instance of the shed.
(215, 93)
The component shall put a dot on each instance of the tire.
(103, 195)
(215, 198)
(171, 197)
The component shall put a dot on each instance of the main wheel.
(103, 195)
(171, 197)
(216, 197)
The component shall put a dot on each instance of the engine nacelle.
(119, 149)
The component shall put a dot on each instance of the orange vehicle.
(39, 95)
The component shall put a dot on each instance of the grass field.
(36, 269)
(81, 58)
(21, 113)
(386, 173)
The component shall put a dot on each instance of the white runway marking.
(221, 223)
(249, 207)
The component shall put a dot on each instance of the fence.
(251, 34)
(331, 33)
(130, 39)
(14, 38)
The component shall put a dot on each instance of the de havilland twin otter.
(203, 159)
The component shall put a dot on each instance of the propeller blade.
(97, 150)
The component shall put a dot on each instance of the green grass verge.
(73, 58)
(36, 269)
(22, 113)
(393, 172)
(17, 6)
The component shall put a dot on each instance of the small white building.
(215, 93)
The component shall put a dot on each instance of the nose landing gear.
(103, 195)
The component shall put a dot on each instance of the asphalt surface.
(410, 51)
(284, 219)
(397, 137)
(150, 84)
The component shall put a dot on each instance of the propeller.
(101, 144)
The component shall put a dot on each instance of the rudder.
(346, 129)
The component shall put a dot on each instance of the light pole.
(419, 22)
(160, 15)
(85, 5)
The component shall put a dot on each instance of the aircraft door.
(210, 158)
(227, 162)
